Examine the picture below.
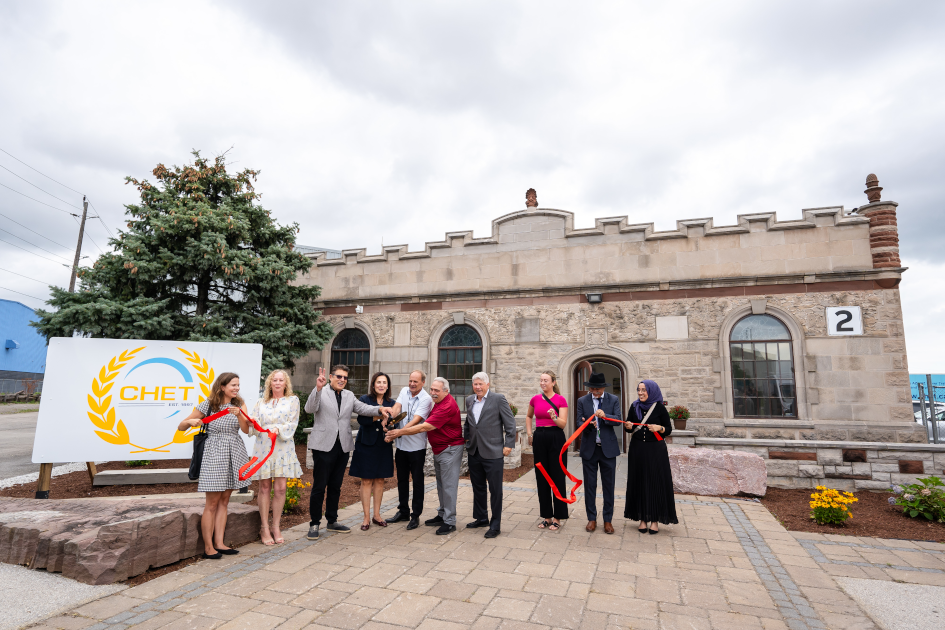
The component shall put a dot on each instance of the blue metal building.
(22, 348)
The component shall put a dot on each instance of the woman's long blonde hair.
(267, 387)
(554, 381)
(216, 392)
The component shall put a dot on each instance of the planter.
(680, 424)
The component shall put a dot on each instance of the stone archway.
(596, 348)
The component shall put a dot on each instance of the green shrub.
(139, 462)
(306, 420)
(514, 410)
(926, 499)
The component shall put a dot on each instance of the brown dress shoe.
(591, 526)
(608, 528)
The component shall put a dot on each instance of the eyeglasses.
(339, 377)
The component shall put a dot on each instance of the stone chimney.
(884, 233)
(531, 198)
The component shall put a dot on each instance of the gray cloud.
(402, 121)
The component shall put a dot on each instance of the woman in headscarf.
(649, 477)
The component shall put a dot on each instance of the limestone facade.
(542, 294)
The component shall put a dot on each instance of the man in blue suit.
(599, 448)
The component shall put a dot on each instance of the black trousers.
(410, 463)
(328, 472)
(484, 471)
(608, 476)
(546, 445)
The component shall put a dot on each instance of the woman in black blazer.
(373, 459)
(650, 496)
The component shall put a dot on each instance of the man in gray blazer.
(490, 437)
(331, 443)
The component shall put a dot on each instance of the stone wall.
(663, 306)
(844, 466)
(842, 380)
(540, 249)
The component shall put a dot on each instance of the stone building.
(766, 329)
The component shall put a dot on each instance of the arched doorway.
(616, 378)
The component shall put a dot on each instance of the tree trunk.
(203, 293)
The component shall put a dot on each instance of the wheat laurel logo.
(101, 412)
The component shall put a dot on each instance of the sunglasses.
(340, 378)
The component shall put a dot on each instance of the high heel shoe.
(654, 531)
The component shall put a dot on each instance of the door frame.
(578, 390)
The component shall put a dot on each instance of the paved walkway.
(727, 565)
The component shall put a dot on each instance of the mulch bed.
(872, 516)
(77, 486)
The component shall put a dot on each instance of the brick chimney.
(884, 233)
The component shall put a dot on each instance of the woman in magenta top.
(548, 413)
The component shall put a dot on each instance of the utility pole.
(45, 470)
(78, 247)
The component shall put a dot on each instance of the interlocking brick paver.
(409, 609)
(505, 608)
(108, 606)
(453, 610)
(318, 599)
(727, 564)
(252, 621)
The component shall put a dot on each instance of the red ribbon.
(577, 482)
(245, 474)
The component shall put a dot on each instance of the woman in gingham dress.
(224, 453)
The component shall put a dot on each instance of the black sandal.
(544, 524)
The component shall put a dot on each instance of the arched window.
(762, 369)
(352, 348)
(460, 356)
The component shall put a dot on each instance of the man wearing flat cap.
(599, 448)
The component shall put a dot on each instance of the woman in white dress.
(278, 411)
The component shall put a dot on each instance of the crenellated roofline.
(688, 228)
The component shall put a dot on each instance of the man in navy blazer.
(599, 448)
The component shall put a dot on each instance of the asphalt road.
(16, 444)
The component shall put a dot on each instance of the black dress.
(373, 457)
(649, 477)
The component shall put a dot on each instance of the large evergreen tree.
(200, 261)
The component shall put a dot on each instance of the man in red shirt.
(444, 430)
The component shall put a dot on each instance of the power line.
(34, 253)
(33, 231)
(40, 172)
(37, 187)
(27, 277)
(26, 294)
(33, 244)
(99, 217)
(89, 236)
(38, 201)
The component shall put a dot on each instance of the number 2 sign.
(844, 320)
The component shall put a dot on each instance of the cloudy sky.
(403, 120)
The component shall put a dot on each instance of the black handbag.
(197, 458)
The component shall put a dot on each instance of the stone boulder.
(102, 541)
(707, 472)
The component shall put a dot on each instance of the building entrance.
(614, 374)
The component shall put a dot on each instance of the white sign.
(122, 399)
(844, 320)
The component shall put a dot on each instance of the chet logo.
(102, 412)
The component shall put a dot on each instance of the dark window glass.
(460, 354)
(763, 383)
(352, 348)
